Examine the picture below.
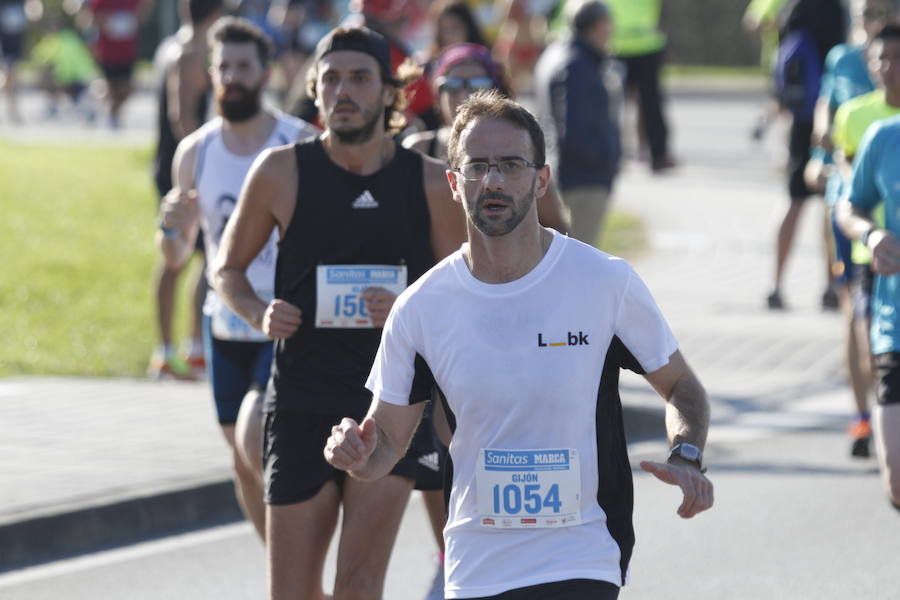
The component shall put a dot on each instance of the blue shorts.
(843, 251)
(234, 369)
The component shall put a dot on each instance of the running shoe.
(173, 368)
(830, 299)
(774, 301)
(437, 585)
(861, 434)
(197, 366)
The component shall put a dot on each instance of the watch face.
(689, 451)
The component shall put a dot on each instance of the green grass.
(77, 252)
(76, 241)
(623, 235)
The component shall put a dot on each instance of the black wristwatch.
(688, 452)
(864, 238)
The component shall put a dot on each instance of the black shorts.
(117, 74)
(431, 454)
(888, 370)
(570, 589)
(861, 284)
(294, 467)
(798, 155)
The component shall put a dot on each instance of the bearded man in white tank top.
(208, 171)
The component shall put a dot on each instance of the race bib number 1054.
(339, 287)
(528, 488)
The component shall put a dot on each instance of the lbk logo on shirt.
(572, 339)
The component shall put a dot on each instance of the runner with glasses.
(540, 504)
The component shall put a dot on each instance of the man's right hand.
(350, 444)
(885, 252)
(281, 319)
(179, 210)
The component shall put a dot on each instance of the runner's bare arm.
(551, 212)
(856, 221)
(179, 210)
(186, 82)
(267, 200)
(687, 408)
(448, 221)
(687, 420)
(370, 450)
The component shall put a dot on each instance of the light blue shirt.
(876, 179)
(845, 78)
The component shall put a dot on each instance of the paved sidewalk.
(87, 463)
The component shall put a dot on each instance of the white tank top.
(218, 178)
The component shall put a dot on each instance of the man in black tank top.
(183, 102)
(359, 218)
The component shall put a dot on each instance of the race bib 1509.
(528, 488)
(339, 287)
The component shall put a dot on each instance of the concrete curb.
(91, 528)
(80, 528)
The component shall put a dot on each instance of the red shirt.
(117, 30)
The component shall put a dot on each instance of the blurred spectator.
(639, 43)
(12, 40)
(300, 24)
(183, 105)
(573, 82)
(458, 72)
(65, 65)
(520, 40)
(114, 25)
(760, 17)
(808, 29)
(454, 23)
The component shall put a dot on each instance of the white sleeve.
(642, 328)
(391, 378)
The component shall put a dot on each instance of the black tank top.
(323, 370)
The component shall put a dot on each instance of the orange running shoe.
(197, 366)
(861, 434)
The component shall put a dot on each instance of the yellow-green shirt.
(636, 27)
(854, 116)
(851, 121)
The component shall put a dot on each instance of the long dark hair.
(460, 10)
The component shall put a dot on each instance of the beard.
(363, 133)
(518, 208)
(241, 106)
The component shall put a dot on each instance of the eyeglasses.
(455, 84)
(509, 168)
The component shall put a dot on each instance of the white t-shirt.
(530, 371)
(218, 178)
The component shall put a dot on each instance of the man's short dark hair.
(367, 41)
(237, 30)
(491, 104)
(890, 31)
(200, 10)
(586, 14)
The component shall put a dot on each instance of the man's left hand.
(697, 489)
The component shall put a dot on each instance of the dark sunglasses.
(455, 84)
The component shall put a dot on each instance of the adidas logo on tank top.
(365, 200)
